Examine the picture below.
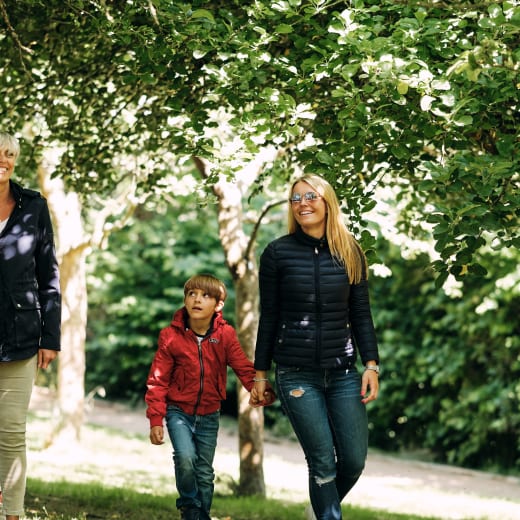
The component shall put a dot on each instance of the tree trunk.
(71, 370)
(250, 420)
(73, 246)
(240, 261)
(72, 250)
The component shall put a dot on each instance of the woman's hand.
(261, 392)
(45, 357)
(258, 393)
(369, 381)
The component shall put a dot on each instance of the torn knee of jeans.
(321, 481)
(297, 392)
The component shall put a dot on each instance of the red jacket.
(192, 377)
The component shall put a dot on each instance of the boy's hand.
(269, 396)
(157, 435)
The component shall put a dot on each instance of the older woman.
(30, 317)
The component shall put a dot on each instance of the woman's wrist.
(372, 365)
(261, 375)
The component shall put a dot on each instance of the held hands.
(369, 380)
(157, 435)
(262, 393)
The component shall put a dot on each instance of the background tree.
(420, 98)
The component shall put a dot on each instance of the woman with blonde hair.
(315, 320)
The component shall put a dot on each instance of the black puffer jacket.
(30, 298)
(311, 316)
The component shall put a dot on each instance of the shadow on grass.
(71, 501)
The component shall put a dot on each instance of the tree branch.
(14, 35)
(256, 227)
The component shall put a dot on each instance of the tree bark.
(239, 255)
(71, 370)
(72, 250)
(250, 420)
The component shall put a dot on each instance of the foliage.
(451, 363)
(450, 359)
(136, 285)
(419, 96)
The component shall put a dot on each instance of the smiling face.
(7, 162)
(309, 211)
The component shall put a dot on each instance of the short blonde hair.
(207, 283)
(10, 143)
(343, 246)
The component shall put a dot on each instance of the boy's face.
(200, 305)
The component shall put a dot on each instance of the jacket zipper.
(201, 385)
(318, 304)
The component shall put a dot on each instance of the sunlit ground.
(119, 459)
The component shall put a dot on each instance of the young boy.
(186, 384)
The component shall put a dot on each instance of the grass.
(118, 476)
(66, 501)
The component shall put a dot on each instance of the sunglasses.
(310, 196)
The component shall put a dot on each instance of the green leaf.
(325, 158)
(284, 28)
(402, 87)
(477, 269)
(203, 13)
(426, 185)
(441, 278)
(463, 121)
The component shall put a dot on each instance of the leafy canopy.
(420, 97)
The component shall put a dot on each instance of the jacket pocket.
(27, 317)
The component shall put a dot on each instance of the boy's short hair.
(207, 283)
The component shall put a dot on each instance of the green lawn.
(66, 501)
(112, 475)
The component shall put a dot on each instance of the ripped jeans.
(327, 415)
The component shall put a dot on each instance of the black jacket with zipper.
(311, 315)
(30, 297)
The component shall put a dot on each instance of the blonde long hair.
(343, 246)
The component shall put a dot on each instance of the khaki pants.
(16, 383)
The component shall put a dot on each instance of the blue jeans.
(330, 421)
(194, 440)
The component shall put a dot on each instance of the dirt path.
(388, 483)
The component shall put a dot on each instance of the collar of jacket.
(19, 192)
(308, 240)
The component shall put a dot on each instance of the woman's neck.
(7, 201)
(314, 231)
(5, 193)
